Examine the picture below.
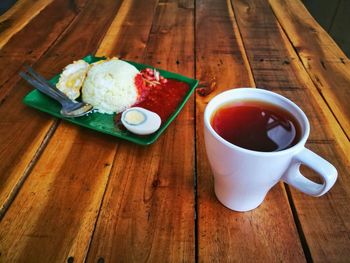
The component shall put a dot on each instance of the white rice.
(110, 86)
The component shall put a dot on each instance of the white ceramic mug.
(243, 177)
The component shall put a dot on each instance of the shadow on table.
(6, 5)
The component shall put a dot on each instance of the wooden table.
(69, 194)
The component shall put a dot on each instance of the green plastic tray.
(104, 122)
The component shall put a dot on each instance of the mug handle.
(326, 170)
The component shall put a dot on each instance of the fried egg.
(72, 78)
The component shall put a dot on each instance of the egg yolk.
(134, 117)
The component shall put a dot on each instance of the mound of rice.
(110, 86)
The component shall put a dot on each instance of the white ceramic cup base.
(234, 201)
(243, 177)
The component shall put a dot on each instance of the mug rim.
(301, 142)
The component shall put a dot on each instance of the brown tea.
(256, 125)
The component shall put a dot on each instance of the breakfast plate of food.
(131, 101)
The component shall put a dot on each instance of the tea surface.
(256, 125)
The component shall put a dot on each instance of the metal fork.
(70, 108)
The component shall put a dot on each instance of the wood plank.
(18, 16)
(322, 221)
(18, 148)
(21, 49)
(325, 62)
(29, 44)
(148, 210)
(325, 220)
(131, 28)
(17, 153)
(35, 245)
(28, 231)
(35, 123)
(53, 216)
(79, 41)
(225, 235)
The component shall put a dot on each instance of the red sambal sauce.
(163, 97)
(157, 94)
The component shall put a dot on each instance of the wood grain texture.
(54, 214)
(29, 44)
(225, 235)
(86, 196)
(49, 64)
(18, 147)
(325, 220)
(25, 47)
(276, 67)
(18, 152)
(325, 62)
(130, 28)
(148, 210)
(18, 16)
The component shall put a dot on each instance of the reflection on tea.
(256, 125)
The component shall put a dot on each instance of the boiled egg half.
(140, 121)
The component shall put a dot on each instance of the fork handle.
(46, 89)
(46, 83)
